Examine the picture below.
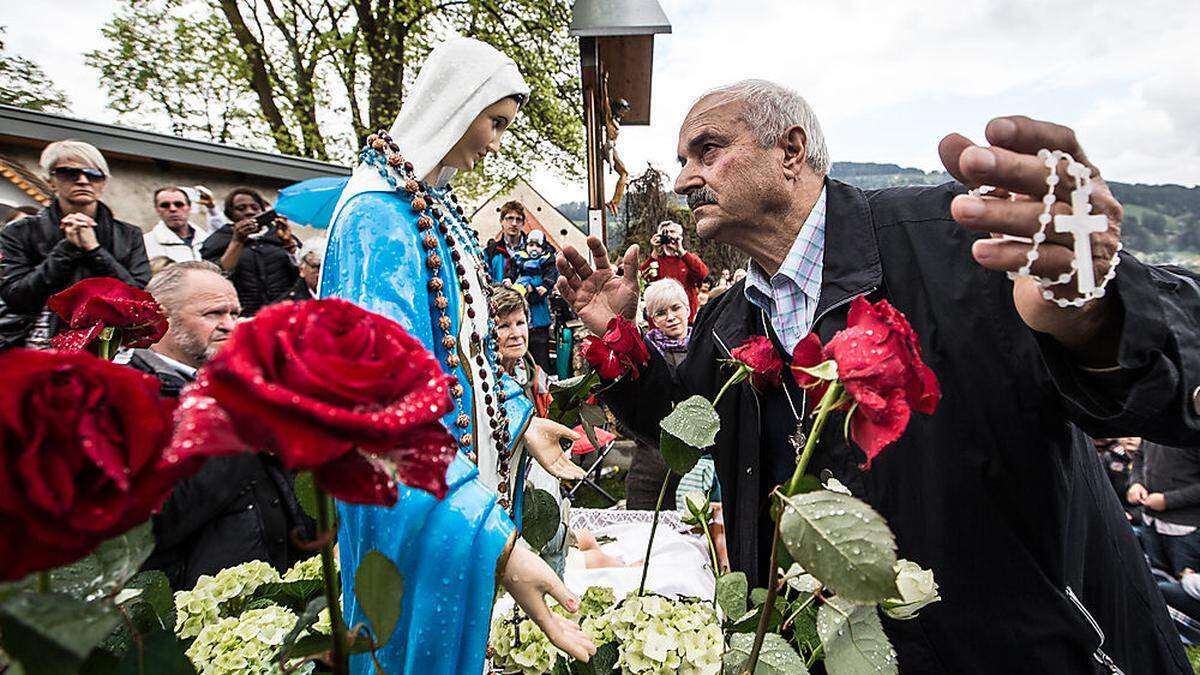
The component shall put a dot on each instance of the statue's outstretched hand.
(528, 579)
(543, 442)
(1011, 164)
(597, 295)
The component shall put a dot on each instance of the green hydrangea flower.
(245, 645)
(216, 597)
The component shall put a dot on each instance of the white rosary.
(1080, 223)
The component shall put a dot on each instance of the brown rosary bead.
(441, 302)
(436, 284)
(418, 204)
(379, 144)
(430, 242)
(456, 391)
(395, 161)
(411, 186)
(449, 342)
(445, 323)
(371, 140)
(463, 421)
(424, 222)
(456, 256)
(468, 298)
(503, 503)
(465, 440)
(471, 312)
(437, 213)
(502, 487)
(452, 360)
(434, 261)
(408, 166)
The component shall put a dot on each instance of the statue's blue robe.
(446, 550)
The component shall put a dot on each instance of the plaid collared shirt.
(790, 296)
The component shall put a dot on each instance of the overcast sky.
(887, 80)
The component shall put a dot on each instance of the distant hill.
(1162, 222)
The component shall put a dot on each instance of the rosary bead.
(395, 160)
(441, 302)
(445, 323)
(408, 166)
(411, 186)
(379, 144)
(437, 213)
(452, 360)
(449, 342)
(371, 140)
(471, 312)
(465, 440)
(468, 298)
(461, 271)
(424, 223)
(502, 487)
(434, 261)
(456, 256)
(393, 147)
(463, 421)
(449, 240)
(435, 284)
(431, 242)
(418, 204)
(457, 391)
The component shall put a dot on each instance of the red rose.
(879, 363)
(81, 456)
(760, 355)
(621, 350)
(329, 387)
(94, 304)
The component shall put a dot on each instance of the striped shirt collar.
(801, 267)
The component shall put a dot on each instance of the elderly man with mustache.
(998, 492)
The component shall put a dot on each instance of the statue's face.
(483, 136)
(729, 179)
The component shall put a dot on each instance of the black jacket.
(997, 492)
(1175, 472)
(235, 509)
(264, 272)
(36, 262)
(297, 293)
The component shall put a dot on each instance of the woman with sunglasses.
(74, 238)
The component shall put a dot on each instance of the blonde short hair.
(58, 151)
(660, 294)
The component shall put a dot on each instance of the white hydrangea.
(244, 645)
(658, 635)
(308, 569)
(216, 597)
(522, 646)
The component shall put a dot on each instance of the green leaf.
(679, 456)
(569, 396)
(161, 654)
(842, 542)
(854, 641)
(731, 594)
(307, 619)
(694, 421)
(826, 370)
(378, 586)
(540, 519)
(156, 592)
(801, 581)
(804, 627)
(306, 493)
(53, 633)
(775, 658)
(590, 417)
(603, 662)
(151, 611)
(295, 595)
(314, 645)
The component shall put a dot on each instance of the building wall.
(130, 189)
(540, 214)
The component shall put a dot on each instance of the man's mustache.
(701, 196)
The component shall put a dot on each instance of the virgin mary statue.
(399, 246)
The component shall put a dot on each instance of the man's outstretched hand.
(1011, 164)
(599, 294)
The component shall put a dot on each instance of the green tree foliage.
(313, 77)
(24, 84)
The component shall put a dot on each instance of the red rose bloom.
(94, 304)
(619, 351)
(81, 456)
(879, 363)
(760, 355)
(809, 354)
(329, 387)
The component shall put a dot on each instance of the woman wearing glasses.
(74, 238)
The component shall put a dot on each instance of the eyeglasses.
(167, 205)
(73, 173)
(513, 219)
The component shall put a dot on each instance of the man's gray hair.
(771, 109)
(169, 285)
(79, 151)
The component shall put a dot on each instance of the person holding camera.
(669, 260)
(256, 249)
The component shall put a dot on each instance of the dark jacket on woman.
(1175, 472)
(264, 272)
(236, 509)
(997, 492)
(36, 261)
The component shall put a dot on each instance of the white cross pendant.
(1081, 225)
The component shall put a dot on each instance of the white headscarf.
(460, 78)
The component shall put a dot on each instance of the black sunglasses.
(73, 173)
(167, 205)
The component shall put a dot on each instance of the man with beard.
(998, 492)
(236, 508)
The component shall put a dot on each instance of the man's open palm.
(597, 295)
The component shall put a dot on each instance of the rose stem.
(43, 581)
(769, 604)
(336, 623)
(653, 527)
